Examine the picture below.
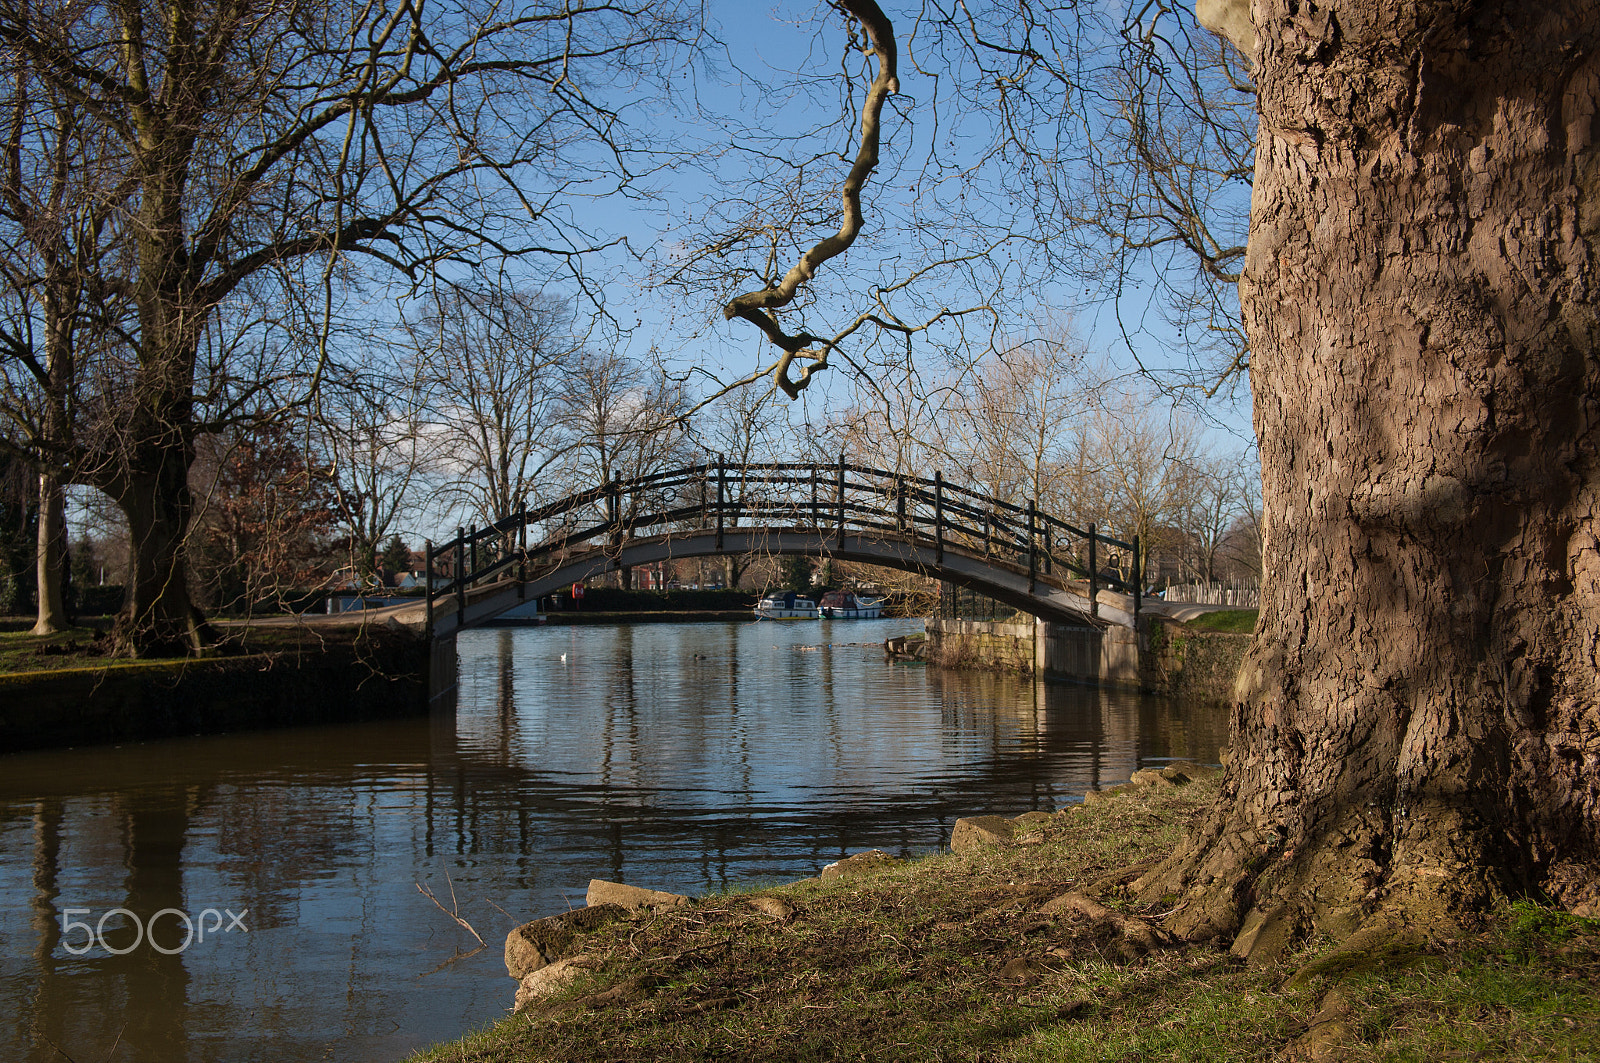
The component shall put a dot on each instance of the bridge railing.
(836, 499)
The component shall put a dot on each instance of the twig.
(113, 1049)
(426, 892)
(58, 1048)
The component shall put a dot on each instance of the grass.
(23, 654)
(74, 648)
(948, 958)
(1231, 621)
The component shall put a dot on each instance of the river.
(685, 757)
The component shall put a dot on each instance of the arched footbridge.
(1013, 553)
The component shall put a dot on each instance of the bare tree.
(370, 436)
(747, 427)
(1038, 156)
(1159, 225)
(1241, 546)
(263, 518)
(1220, 495)
(58, 228)
(894, 420)
(1148, 455)
(261, 154)
(788, 250)
(621, 421)
(1009, 423)
(492, 365)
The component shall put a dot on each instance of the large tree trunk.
(50, 558)
(1417, 727)
(158, 617)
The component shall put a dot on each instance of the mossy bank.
(973, 955)
(1198, 660)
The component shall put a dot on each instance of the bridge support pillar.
(442, 675)
(1107, 656)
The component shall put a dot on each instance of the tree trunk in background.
(50, 560)
(1417, 726)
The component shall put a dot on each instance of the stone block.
(772, 906)
(976, 832)
(1094, 797)
(535, 985)
(859, 864)
(543, 941)
(630, 897)
(1188, 771)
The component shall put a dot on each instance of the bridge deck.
(1045, 596)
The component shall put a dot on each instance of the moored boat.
(788, 605)
(843, 605)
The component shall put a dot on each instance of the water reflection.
(686, 757)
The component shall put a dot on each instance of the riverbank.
(971, 955)
(57, 692)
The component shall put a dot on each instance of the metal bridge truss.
(1016, 554)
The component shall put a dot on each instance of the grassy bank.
(1231, 621)
(268, 677)
(88, 645)
(949, 957)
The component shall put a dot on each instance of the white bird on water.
(563, 658)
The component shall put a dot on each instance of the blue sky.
(774, 74)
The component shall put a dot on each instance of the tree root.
(1117, 879)
(1135, 936)
(1330, 1034)
(1384, 943)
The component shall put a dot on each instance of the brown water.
(683, 757)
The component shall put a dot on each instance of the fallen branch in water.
(454, 911)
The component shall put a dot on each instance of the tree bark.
(50, 558)
(1417, 726)
(158, 617)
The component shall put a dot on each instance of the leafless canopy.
(1034, 158)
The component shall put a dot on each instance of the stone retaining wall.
(380, 678)
(1163, 656)
(1187, 664)
(981, 644)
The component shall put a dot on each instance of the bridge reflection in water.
(687, 757)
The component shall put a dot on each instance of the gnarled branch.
(758, 307)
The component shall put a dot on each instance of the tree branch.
(757, 306)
